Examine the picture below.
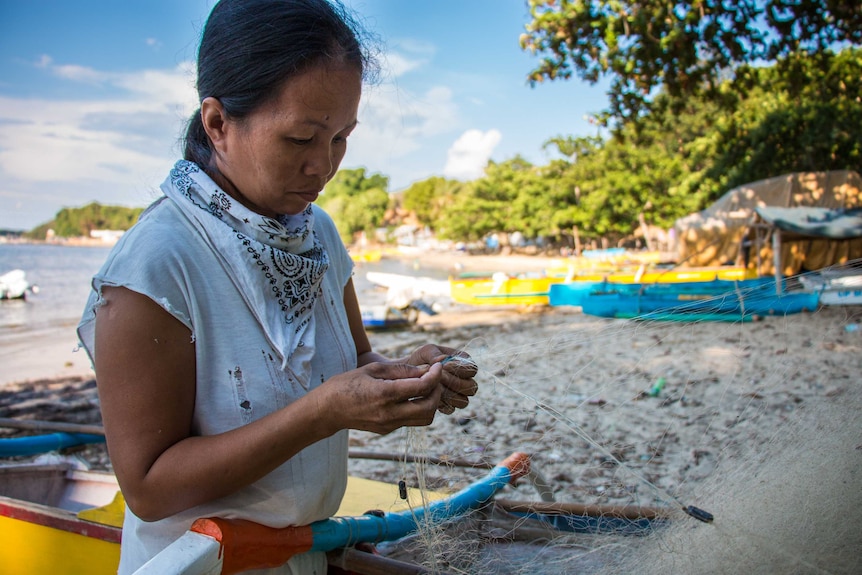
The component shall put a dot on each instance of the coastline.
(54, 353)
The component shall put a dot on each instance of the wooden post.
(776, 258)
(645, 231)
(577, 235)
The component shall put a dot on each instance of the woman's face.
(278, 159)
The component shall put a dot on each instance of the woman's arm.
(145, 366)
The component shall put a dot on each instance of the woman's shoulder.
(163, 226)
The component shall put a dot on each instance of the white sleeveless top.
(239, 376)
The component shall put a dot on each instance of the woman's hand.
(381, 397)
(459, 369)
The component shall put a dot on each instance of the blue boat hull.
(718, 300)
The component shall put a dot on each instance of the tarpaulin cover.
(818, 222)
(717, 235)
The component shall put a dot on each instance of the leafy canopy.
(683, 47)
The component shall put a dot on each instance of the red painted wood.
(57, 519)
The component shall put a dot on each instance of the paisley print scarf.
(276, 264)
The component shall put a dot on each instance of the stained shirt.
(238, 376)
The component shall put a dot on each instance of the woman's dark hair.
(249, 48)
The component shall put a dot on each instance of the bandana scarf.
(276, 264)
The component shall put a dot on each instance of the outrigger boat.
(501, 289)
(78, 514)
(385, 317)
(840, 285)
(649, 275)
(730, 306)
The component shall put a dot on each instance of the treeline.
(77, 222)
(804, 113)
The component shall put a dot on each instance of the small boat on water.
(14, 285)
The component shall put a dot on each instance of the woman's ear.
(214, 121)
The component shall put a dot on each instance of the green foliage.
(431, 198)
(357, 202)
(684, 48)
(802, 114)
(76, 222)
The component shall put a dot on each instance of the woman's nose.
(319, 163)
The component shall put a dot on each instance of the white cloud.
(79, 73)
(468, 156)
(61, 150)
(393, 123)
(405, 55)
(68, 141)
(396, 65)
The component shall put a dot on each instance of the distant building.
(107, 236)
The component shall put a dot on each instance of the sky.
(95, 94)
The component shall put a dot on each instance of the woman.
(224, 327)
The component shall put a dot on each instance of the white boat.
(835, 286)
(14, 285)
(402, 290)
(380, 317)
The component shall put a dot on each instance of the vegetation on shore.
(79, 222)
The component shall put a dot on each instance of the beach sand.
(739, 404)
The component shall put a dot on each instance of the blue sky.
(94, 96)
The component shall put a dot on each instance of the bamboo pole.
(556, 508)
(362, 563)
(33, 425)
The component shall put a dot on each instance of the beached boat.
(501, 289)
(836, 286)
(574, 293)
(14, 285)
(731, 306)
(52, 520)
(383, 317)
(78, 514)
(366, 256)
(401, 290)
(649, 275)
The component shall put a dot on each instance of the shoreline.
(54, 353)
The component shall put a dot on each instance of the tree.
(73, 222)
(686, 48)
(357, 202)
(429, 199)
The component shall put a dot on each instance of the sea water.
(63, 275)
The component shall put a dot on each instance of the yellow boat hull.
(499, 291)
(42, 539)
(654, 275)
(68, 547)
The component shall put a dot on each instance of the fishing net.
(744, 436)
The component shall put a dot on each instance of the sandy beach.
(760, 423)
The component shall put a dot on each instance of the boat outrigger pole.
(217, 546)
